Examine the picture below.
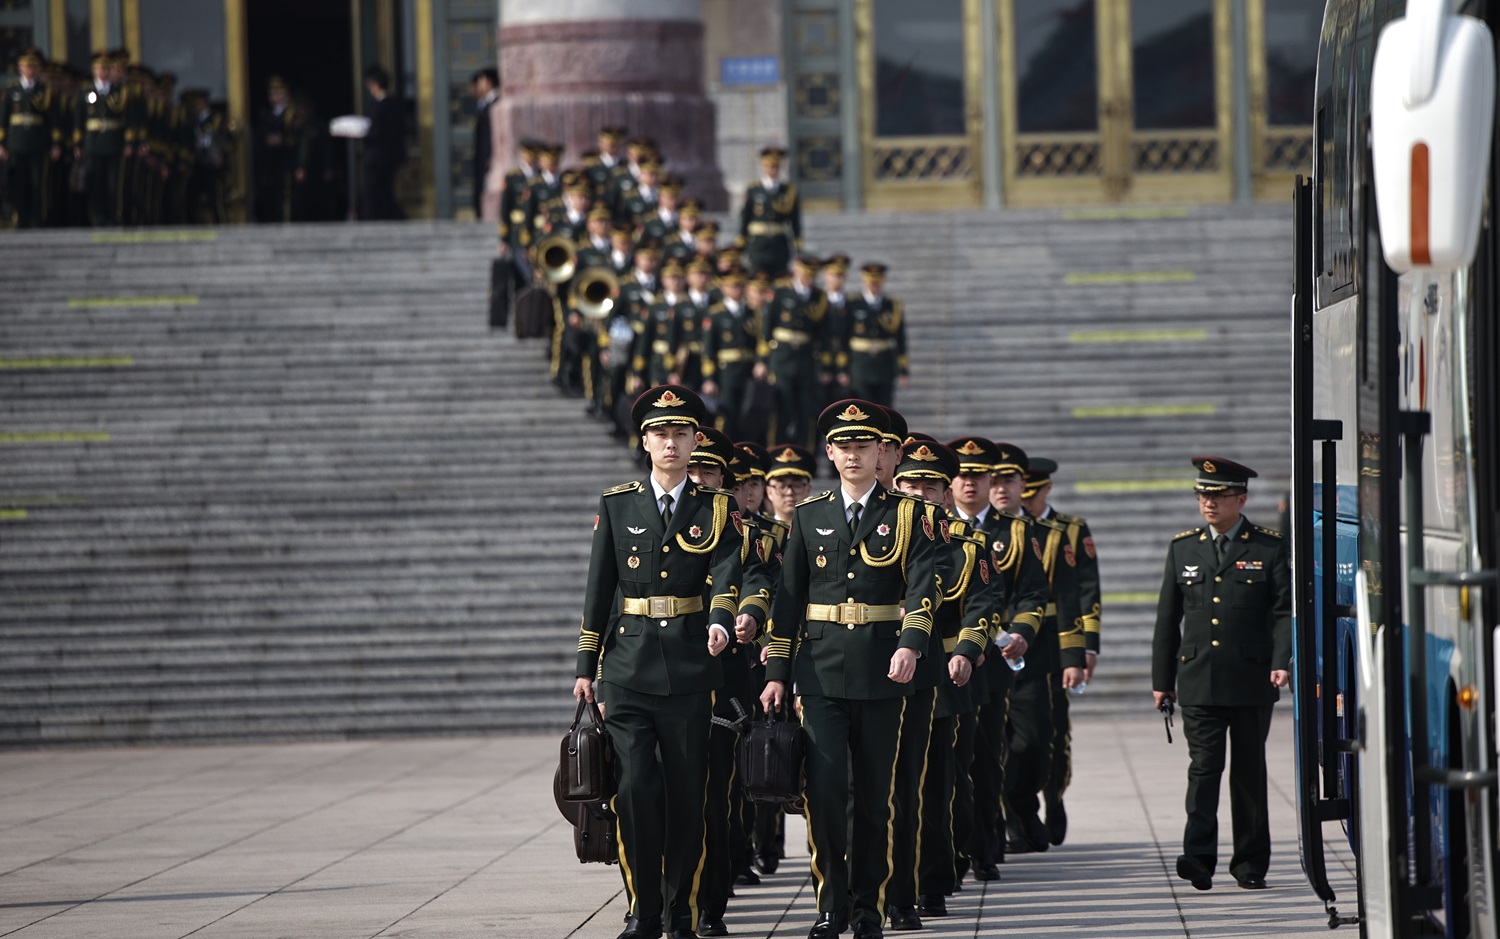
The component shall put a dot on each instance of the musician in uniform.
(671, 550)
(515, 233)
(875, 335)
(771, 218)
(30, 139)
(1222, 649)
(858, 589)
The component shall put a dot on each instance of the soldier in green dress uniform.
(515, 233)
(30, 139)
(875, 335)
(103, 137)
(858, 589)
(670, 549)
(1077, 546)
(791, 340)
(731, 335)
(659, 339)
(771, 218)
(1222, 648)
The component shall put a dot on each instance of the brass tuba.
(557, 257)
(594, 292)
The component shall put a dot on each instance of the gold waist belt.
(661, 347)
(101, 125)
(730, 356)
(762, 229)
(853, 614)
(25, 120)
(791, 337)
(870, 346)
(660, 607)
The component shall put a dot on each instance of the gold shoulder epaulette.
(632, 486)
(821, 495)
(710, 490)
(1192, 532)
(1268, 531)
(1069, 519)
(773, 524)
(1056, 524)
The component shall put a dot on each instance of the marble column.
(569, 67)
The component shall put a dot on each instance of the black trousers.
(380, 192)
(733, 381)
(103, 189)
(724, 836)
(937, 861)
(987, 769)
(859, 738)
(1029, 730)
(1060, 772)
(660, 805)
(26, 175)
(797, 391)
(1245, 729)
(913, 766)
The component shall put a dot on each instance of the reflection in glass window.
(1172, 56)
(1292, 28)
(80, 36)
(919, 68)
(1057, 67)
(185, 37)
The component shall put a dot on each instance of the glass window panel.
(1292, 28)
(1057, 67)
(186, 37)
(80, 39)
(919, 68)
(1172, 56)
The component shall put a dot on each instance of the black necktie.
(854, 518)
(1219, 540)
(666, 511)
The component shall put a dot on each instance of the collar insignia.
(853, 413)
(668, 399)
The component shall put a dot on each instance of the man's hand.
(746, 628)
(903, 665)
(718, 640)
(1073, 677)
(584, 688)
(1281, 678)
(765, 654)
(1093, 660)
(1161, 696)
(1016, 648)
(772, 697)
(959, 670)
(759, 371)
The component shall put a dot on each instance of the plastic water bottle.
(1080, 688)
(1016, 664)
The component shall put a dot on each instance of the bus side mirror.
(1432, 110)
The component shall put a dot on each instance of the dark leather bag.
(502, 283)
(533, 313)
(593, 826)
(770, 760)
(587, 757)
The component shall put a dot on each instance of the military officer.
(690, 346)
(771, 218)
(875, 335)
(103, 135)
(789, 349)
(544, 190)
(204, 195)
(858, 588)
(731, 335)
(660, 224)
(640, 205)
(1221, 649)
(671, 550)
(625, 177)
(1078, 552)
(655, 355)
(515, 233)
(30, 139)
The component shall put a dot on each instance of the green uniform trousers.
(913, 766)
(1246, 728)
(987, 769)
(660, 804)
(1060, 773)
(724, 832)
(937, 861)
(1029, 730)
(847, 736)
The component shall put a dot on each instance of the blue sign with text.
(749, 70)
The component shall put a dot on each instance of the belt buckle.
(852, 614)
(660, 607)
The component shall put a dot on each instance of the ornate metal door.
(1115, 101)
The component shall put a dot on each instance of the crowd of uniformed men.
(646, 290)
(930, 630)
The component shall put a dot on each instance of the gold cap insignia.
(971, 448)
(668, 399)
(1209, 467)
(702, 438)
(1004, 454)
(853, 413)
(787, 456)
(925, 454)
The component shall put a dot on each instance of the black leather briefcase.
(594, 835)
(502, 284)
(770, 760)
(587, 757)
(533, 313)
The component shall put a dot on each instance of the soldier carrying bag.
(770, 760)
(587, 758)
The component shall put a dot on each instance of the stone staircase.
(282, 482)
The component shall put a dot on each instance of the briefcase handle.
(594, 716)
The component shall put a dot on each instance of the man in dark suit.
(858, 590)
(671, 550)
(486, 93)
(385, 147)
(1222, 647)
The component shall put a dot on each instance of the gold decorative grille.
(1288, 150)
(818, 95)
(820, 158)
(1175, 155)
(923, 160)
(1051, 158)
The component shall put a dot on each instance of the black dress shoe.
(746, 878)
(712, 927)
(684, 934)
(767, 863)
(984, 870)
(1034, 833)
(1057, 822)
(826, 926)
(1251, 882)
(868, 931)
(1194, 872)
(932, 904)
(903, 919)
(637, 928)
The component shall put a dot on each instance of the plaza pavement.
(459, 838)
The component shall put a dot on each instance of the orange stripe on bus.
(1421, 249)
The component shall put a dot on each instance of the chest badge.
(825, 532)
(1190, 570)
(984, 571)
(822, 560)
(635, 531)
(695, 532)
(633, 562)
(1250, 565)
(883, 530)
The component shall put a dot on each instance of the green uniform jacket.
(771, 224)
(875, 338)
(28, 119)
(1062, 640)
(1017, 557)
(966, 616)
(729, 338)
(792, 330)
(634, 556)
(104, 124)
(892, 560)
(1223, 627)
(655, 353)
(514, 229)
(1081, 542)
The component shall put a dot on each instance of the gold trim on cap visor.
(870, 433)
